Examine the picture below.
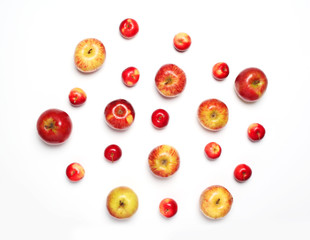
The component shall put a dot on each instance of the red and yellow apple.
(170, 80)
(129, 28)
(164, 161)
(182, 41)
(77, 97)
(215, 202)
(130, 76)
(220, 71)
(168, 207)
(75, 172)
(213, 150)
(256, 132)
(89, 55)
(213, 114)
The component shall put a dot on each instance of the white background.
(38, 39)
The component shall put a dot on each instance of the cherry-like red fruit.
(242, 172)
(113, 152)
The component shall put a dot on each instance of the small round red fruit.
(130, 76)
(220, 71)
(256, 132)
(168, 207)
(242, 172)
(182, 41)
(77, 97)
(213, 150)
(75, 172)
(160, 118)
(129, 28)
(113, 152)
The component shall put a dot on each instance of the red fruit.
(129, 28)
(77, 97)
(242, 172)
(213, 150)
(220, 71)
(182, 41)
(256, 132)
(113, 152)
(75, 172)
(168, 207)
(160, 118)
(130, 76)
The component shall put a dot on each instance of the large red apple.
(251, 84)
(170, 80)
(182, 41)
(129, 28)
(54, 126)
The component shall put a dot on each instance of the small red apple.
(75, 172)
(168, 207)
(54, 126)
(242, 172)
(77, 97)
(220, 71)
(251, 84)
(130, 76)
(182, 41)
(128, 28)
(113, 152)
(213, 150)
(256, 132)
(160, 118)
(170, 80)
(119, 114)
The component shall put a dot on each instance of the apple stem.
(121, 203)
(90, 50)
(218, 201)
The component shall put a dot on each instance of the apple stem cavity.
(168, 80)
(217, 201)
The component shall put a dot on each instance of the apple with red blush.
(77, 97)
(75, 172)
(256, 132)
(128, 28)
(182, 41)
(213, 150)
(113, 152)
(242, 172)
(130, 76)
(160, 118)
(168, 207)
(220, 71)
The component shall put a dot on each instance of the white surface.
(37, 42)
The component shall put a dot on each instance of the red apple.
(182, 41)
(119, 114)
(170, 80)
(113, 152)
(75, 172)
(213, 150)
(220, 71)
(89, 55)
(77, 97)
(54, 126)
(213, 114)
(164, 161)
(251, 84)
(256, 132)
(129, 28)
(242, 172)
(168, 207)
(160, 118)
(130, 76)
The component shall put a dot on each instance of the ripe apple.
(213, 150)
(75, 172)
(54, 126)
(220, 71)
(242, 172)
(122, 202)
(130, 76)
(164, 161)
(113, 152)
(89, 55)
(160, 118)
(128, 28)
(256, 132)
(77, 97)
(170, 80)
(182, 41)
(119, 114)
(168, 207)
(215, 202)
(213, 114)
(251, 84)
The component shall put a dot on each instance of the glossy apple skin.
(251, 84)
(168, 207)
(215, 202)
(119, 114)
(54, 126)
(160, 118)
(164, 161)
(89, 55)
(122, 202)
(129, 28)
(75, 172)
(130, 76)
(220, 71)
(256, 132)
(182, 41)
(213, 114)
(77, 97)
(213, 150)
(170, 80)
(242, 172)
(113, 152)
